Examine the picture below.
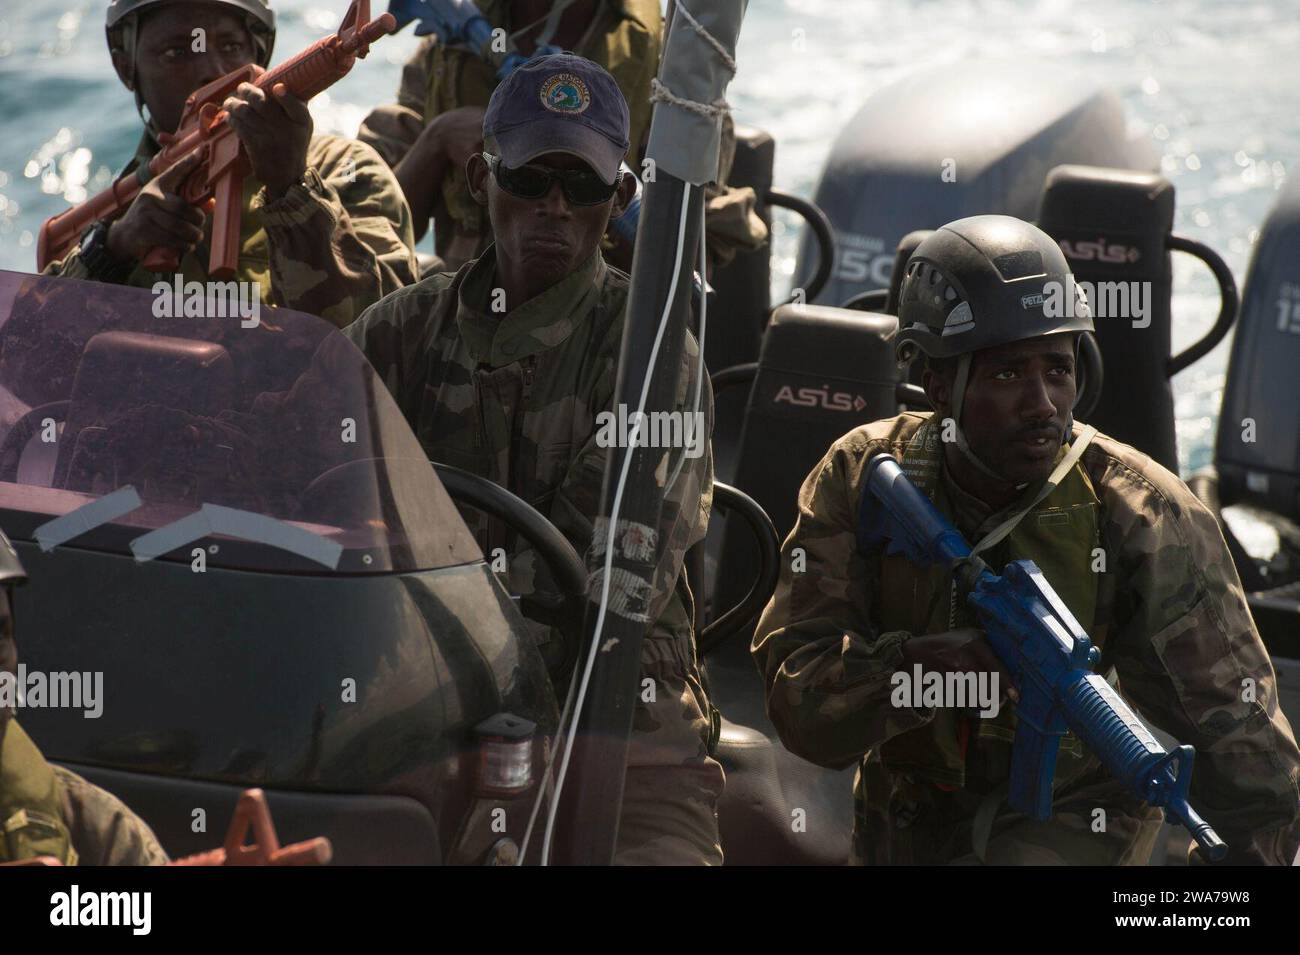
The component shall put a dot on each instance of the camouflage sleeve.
(394, 333)
(1189, 657)
(104, 831)
(393, 128)
(684, 517)
(732, 223)
(826, 670)
(341, 239)
(646, 46)
(71, 266)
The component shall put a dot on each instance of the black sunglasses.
(582, 187)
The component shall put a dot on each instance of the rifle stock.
(1047, 653)
(204, 128)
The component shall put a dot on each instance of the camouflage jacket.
(59, 808)
(626, 39)
(1178, 633)
(104, 830)
(331, 245)
(515, 397)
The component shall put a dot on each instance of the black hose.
(769, 560)
(872, 300)
(821, 229)
(1228, 302)
(733, 376)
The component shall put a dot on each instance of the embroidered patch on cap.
(565, 93)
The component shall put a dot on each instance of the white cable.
(548, 778)
(613, 525)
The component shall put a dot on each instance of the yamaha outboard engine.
(1257, 449)
(928, 150)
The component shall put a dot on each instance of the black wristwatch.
(98, 260)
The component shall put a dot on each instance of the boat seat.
(821, 373)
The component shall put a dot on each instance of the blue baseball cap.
(559, 104)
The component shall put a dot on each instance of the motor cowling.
(1257, 450)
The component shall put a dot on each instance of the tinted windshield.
(267, 444)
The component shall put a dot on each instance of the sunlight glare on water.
(1214, 84)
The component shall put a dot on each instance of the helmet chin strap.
(131, 46)
(958, 400)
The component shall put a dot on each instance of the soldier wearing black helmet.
(48, 810)
(324, 227)
(990, 303)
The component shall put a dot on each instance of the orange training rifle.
(217, 183)
(250, 813)
(253, 813)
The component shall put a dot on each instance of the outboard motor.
(1257, 450)
(927, 150)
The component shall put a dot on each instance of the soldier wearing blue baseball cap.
(505, 367)
(560, 103)
(436, 121)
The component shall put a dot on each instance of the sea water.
(1213, 84)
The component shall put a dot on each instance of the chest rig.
(957, 749)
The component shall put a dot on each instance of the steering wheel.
(566, 566)
(568, 569)
(23, 430)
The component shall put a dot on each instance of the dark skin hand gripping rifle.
(1047, 654)
(217, 182)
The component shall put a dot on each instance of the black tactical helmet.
(123, 15)
(11, 568)
(983, 281)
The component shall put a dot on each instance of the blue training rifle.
(1047, 654)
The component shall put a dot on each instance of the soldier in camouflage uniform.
(48, 810)
(436, 123)
(502, 369)
(324, 229)
(1132, 552)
